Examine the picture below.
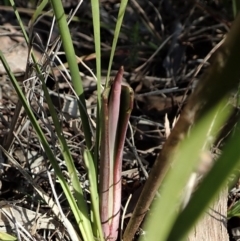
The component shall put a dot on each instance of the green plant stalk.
(117, 106)
(38, 11)
(73, 67)
(82, 209)
(48, 151)
(19, 21)
(209, 187)
(97, 42)
(122, 9)
(7, 237)
(234, 211)
(221, 78)
(186, 158)
(67, 157)
(92, 176)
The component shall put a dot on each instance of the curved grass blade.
(82, 220)
(38, 10)
(209, 187)
(81, 217)
(183, 163)
(221, 78)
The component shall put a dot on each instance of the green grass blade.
(73, 67)
(65, 151)
(81, 217)
(82, 209)
(184, 161)
(38, 11)
(94, 194)
(210, 187)
(7, 237)
(82, 220)
(97, 42)
(121, 13)
(19, 21)
(234, 211)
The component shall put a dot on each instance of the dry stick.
(10, 136)
(220, 79)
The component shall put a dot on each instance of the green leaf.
(7, 237)
(234, 211)
(210, 186)
(183, 163)
(121, 12)
(73, 67)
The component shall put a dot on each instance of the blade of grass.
(183, 163)
(49, 201)
(221, 77)
(234, 211)
(19, 21)
(7, 237)
(122, 9)
(65, 151)
(38, 11)
(94, 194)
(209, 188)
(78, 193)
(82, 220)
(97, 43)
(83, 215)
(18, 108)
(73, 67)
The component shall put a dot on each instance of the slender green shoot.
(73, 67)
(97, 42)
(121, 13)
(184, 161)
